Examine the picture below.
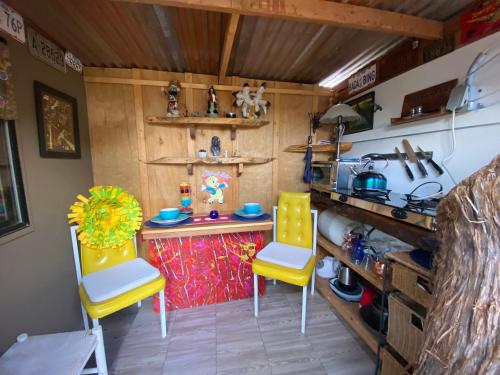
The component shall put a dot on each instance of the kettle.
(346, 278)
(370, 179)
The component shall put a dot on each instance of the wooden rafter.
(319, 11)
(228, 45)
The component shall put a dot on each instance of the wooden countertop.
(202, 230)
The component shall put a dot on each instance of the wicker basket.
(391, 365)
(412, 284)
(405, 331)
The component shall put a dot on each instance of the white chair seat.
(285, 255)
(112, 282)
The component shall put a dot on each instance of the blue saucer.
(250, 219)
(242, 213)
(150, 224)
(158, 220)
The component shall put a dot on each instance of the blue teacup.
(169, 213)
(251, 208)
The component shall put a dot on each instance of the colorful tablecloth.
(203, 270)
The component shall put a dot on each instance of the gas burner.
(421, 205)
(377, 195)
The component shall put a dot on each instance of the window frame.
(19, 181)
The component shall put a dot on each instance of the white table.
(56, 354)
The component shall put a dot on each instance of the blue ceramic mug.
(251, 208)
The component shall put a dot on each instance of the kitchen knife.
(430, 161)
(402, 159)
(413, 157)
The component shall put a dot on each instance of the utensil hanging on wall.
(413, 157)
(430, 161)
(403, 161)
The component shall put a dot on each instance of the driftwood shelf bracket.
(189, 169)
(240, 169)
(192, 132)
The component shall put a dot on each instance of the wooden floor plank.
(227, 339)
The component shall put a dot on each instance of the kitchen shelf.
(194, 122)
(189, 162)
(339, 254)
(425, 116)
(328, 148)
(349, 312)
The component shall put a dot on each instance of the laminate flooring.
(227, 339)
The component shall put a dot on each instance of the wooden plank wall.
(118, 100)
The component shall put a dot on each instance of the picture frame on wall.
(365, 106)
(57, 120)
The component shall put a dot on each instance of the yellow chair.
(291, 256)
(112, 279)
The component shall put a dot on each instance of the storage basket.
(412, 284)
(391, 365)
(405, 331)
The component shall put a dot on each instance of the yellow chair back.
(94, 260)
(293, 224)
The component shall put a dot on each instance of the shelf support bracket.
(192, 131)
(190, 169)
(240, 169)
(233, 133)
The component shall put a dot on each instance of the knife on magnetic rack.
(403, 161)
(413, 157)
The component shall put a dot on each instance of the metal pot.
(346, 278)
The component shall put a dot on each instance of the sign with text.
(12, 23)
(362, 80)
(73, 62)
(43, 49)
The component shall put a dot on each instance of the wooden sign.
(46, 51)
(438, 48)
(12, 23)
(480, 21)
(73, 62)
(362, 79)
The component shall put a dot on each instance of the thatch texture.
(463, 323)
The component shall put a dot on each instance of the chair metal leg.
(163, 317)
(274, 281)
(256, 295)
(85, 318)
(139, 304)
(304, 305)
(100, 354)
(313, 279)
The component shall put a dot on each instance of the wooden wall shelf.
(344, 146)
(194, 122)
(212, 161)
(425, 116)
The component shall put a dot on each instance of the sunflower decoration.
(107, 219)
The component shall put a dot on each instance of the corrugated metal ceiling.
(126, 35)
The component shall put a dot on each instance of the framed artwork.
(57, 119)
(364, 105)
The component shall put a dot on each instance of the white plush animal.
(246, 99)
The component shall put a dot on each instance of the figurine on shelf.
(174, 88)
(215, 146)
(186, 200)
(212, 103)
(246, 99)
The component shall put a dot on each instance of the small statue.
(186, 199)
(215, 146)
(212, 102)
(246, 99)
(174, 88)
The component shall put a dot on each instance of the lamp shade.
(339, 110)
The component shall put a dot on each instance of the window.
(13, 213)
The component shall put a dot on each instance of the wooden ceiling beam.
(228, 46)
(319, 11)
